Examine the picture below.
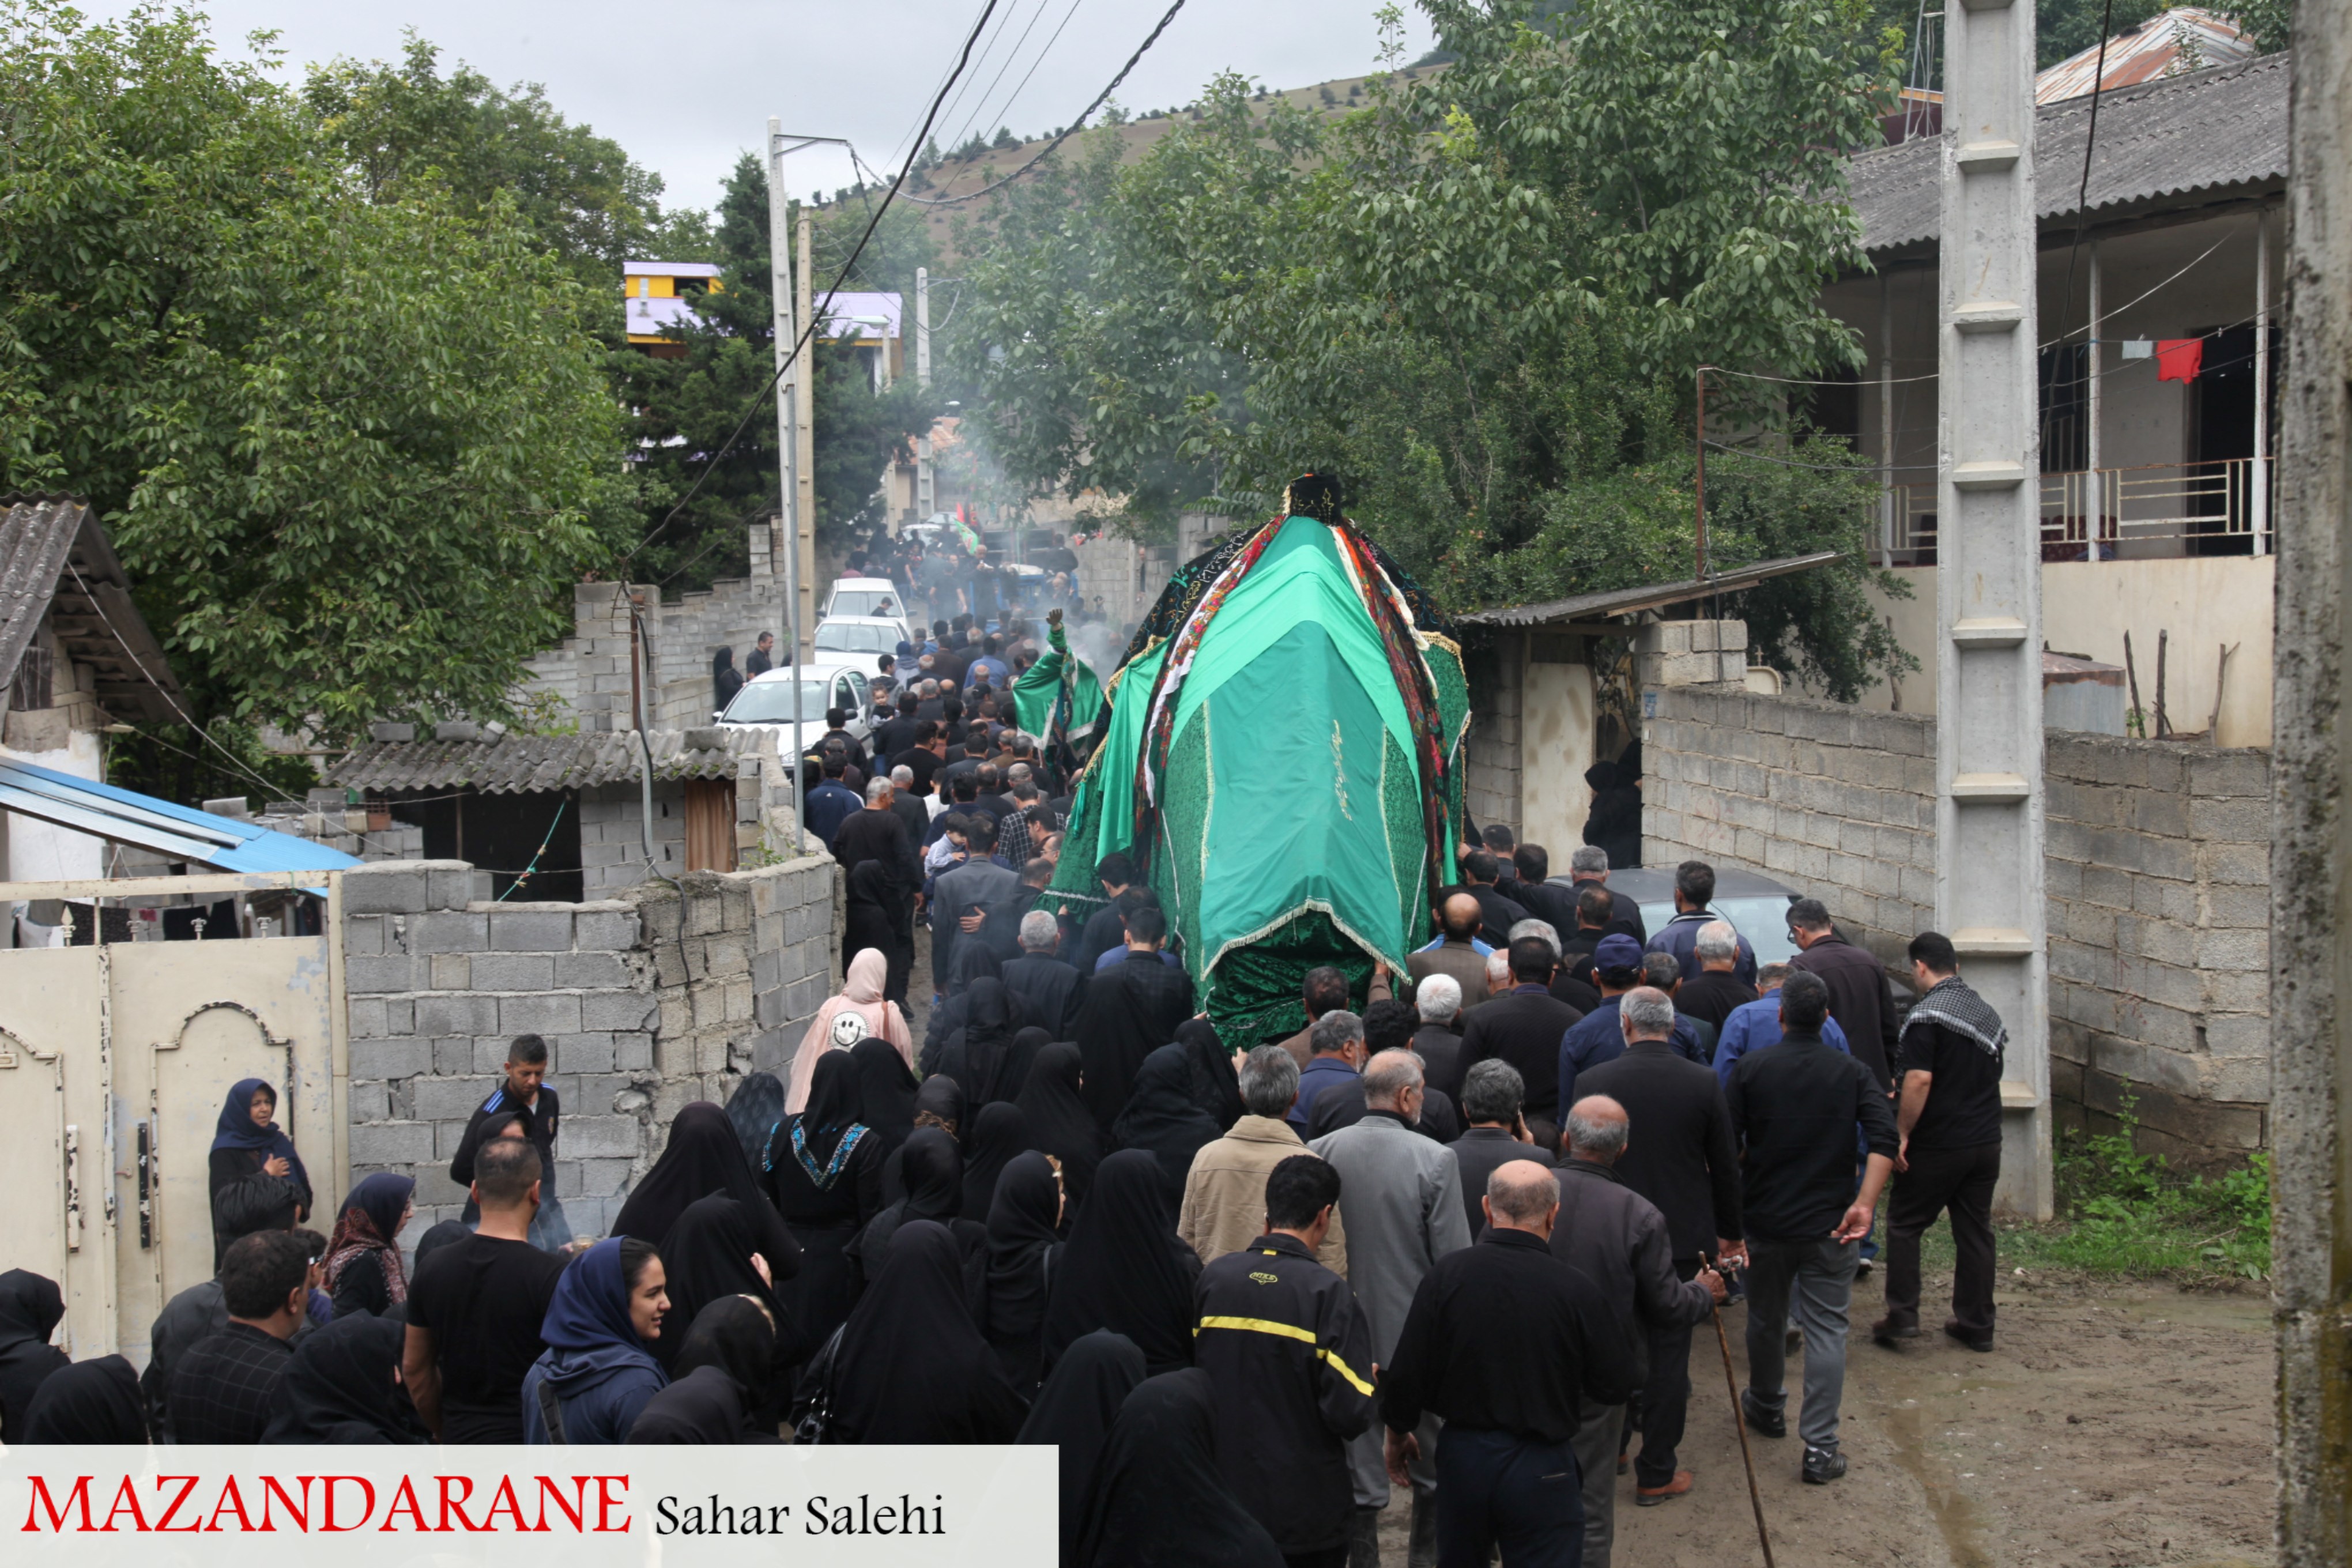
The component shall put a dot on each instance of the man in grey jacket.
(1400, 1196)
(1619, 1238)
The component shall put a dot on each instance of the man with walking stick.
(1619, 1239)
(1794, 1108)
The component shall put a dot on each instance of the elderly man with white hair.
(1438, 1042)
(1401, 1195)
(1711, 994)
(1050, 989)
(1589, 866)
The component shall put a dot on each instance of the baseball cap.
(1617, 952)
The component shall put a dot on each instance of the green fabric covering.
(1290, 830)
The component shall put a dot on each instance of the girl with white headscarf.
(858, 1013)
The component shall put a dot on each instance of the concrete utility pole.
(789, 366)
(2311, 856)
(1989, 798)
(923, 507)
(804, 460)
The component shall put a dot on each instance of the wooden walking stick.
(1739, 1423)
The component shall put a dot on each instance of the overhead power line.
(1076, 126)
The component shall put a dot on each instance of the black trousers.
(1661, 1406)
(1494, 1490)
(1960, 1182)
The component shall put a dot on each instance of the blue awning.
(176, 832)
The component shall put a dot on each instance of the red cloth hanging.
(2179, 359)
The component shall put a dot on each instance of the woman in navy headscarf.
(598, 1370)
(258, 1180)
(362, 1265)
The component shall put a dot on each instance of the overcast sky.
(685, 86)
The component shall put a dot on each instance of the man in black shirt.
(1524, 1028)
(1495, 1133)
(1794, 1108)
(1480, 871)
(1510, 1346)
(476, 1306)
(1948, 1118)
(1131, 1009)
(525, 1098)
(1107, 927)
(227, 1386)
(1684, 1162)
(894, 735)
(1711, 995)
(925, 756)
(1524, 881)
(1588, 867)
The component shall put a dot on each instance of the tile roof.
(525, 764)
(2203, 131)
(56, 560)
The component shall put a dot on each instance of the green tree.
(349, 446)
(407, 125)
(1480, 300)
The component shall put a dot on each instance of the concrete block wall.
(642, 1016)
(2158, 874)
(1496, 667)
(585, 679)
(2157, 881)
(611, 844)
(1125, 577)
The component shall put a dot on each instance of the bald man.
(1618, 1238)
(1514, 1348)
(1457, 950)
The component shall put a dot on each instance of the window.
(837, 636)
(711, 825)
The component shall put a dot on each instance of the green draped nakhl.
(1282, 754)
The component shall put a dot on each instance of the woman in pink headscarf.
(861, 997)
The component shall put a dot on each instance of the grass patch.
(2123, 1212)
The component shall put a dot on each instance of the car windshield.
(836, 637)
(771, 702)
(861, 602)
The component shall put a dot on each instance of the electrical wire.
(1076, 126)
(808, 328)
(980, 104)
(1014, 95)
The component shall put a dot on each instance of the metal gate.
(114, 1062)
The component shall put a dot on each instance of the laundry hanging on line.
(2179, 359)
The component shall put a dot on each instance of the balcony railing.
(2157, 510)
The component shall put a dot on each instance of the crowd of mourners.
(1456, 1243)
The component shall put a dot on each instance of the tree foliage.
(347, 443)
(1480, 300)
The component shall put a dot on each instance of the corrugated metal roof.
(2186, 38)
(177, 832)
(668, 270)
(2202, 131)
(527, 764)
(55, 556)
(1632, 601)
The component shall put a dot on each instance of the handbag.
(812, 1405)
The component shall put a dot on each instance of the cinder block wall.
(2158, 879)
(1495, 666)
(648, 1002)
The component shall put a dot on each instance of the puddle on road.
(1956, 1517)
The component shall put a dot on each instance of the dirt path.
(2117, 1425)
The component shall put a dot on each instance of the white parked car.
(864, 596)
(860, 641)
(767, 699)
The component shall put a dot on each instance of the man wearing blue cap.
(1598, 1037)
